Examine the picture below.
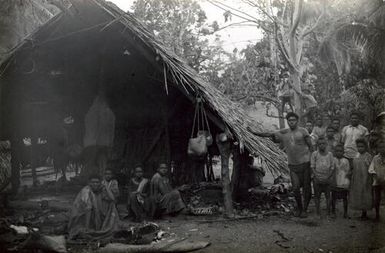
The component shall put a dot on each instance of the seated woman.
(165, 199)
(137, 195)
(93, 214)
(111, 185)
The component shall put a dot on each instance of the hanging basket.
(201, 136)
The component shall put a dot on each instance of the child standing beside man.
(340, 188)
(322, 165)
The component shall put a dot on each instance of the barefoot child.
(322, 167)
(340, 189)
(361, 185)
(377, 169)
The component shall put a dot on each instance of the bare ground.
(280, 233)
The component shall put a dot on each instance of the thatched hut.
(94, 46)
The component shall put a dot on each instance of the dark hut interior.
(79, 54)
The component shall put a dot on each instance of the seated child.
(360, 196)
(321, 163)
(111, 185)
(340, 188)
(377, 170)
(137, 195)
(165, 199)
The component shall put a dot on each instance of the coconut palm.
(361, 32)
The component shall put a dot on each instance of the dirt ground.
(278, 233)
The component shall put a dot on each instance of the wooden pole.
(225, 151)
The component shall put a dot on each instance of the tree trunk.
(296, 83)
(225, 151)
(281, 119)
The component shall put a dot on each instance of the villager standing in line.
(330, 139)
(361, 184)
(309, 128)
(322, 165)
(319, 128)
(340, 186)
(350, 134)
(377, 170)
(297, 144)
(137, 204)
(166, 200)
(336, 124)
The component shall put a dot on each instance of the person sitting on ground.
(93, 215)
(361, 183)
(137, 205)
(322, 165)
(377, 170)
(111, 185)
(330, 140)
(296, 142)
(165, 199)
(319, 129)
(340, 187)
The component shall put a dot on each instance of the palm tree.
(361, 32)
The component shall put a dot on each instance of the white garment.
(349, 136)
(99, 124)
(342, 169)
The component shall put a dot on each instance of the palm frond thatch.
(229, 111)
(188, 79)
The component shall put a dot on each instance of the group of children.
(343, 168)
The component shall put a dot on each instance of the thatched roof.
(191, 83)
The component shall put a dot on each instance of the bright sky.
(233, 36)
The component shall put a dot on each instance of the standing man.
(297, 144)
(350, 134)
(336, 124)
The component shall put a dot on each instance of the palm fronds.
(362, 33)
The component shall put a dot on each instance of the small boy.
(377, 170)
(322, 166)
(110, 184)
(330, 139)
(340, 189)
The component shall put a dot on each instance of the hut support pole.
(239, 167)
(225, 151)
(15, 164)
